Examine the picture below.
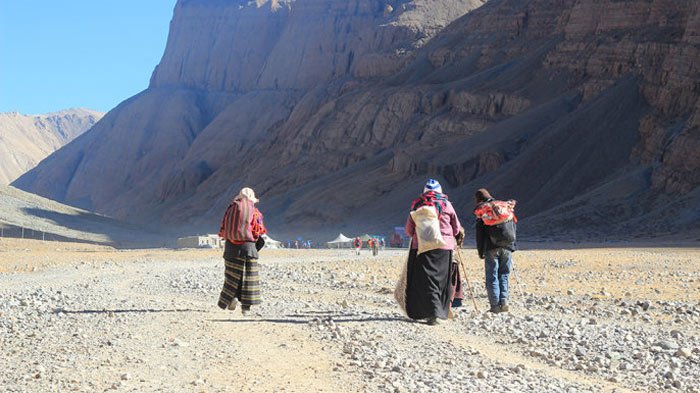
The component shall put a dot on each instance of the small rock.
(481, 374)
(667, 345)
(683, 353)
(125, 377)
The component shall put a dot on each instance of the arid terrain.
(336, 112)
(77, 317)
(25, 140)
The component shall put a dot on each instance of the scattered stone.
(667, 345)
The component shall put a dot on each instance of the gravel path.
(328, 324)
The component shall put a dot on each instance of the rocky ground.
(83, 318)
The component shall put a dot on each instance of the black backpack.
(503, 234)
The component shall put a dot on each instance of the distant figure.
(242, 227)
(495, 242)
(374, 245)
(358, 245)
(433, 226)
(396, 240)
(296, 244)
(382, 244)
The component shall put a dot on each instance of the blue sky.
(78, 53)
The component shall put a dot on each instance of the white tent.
(271, 243)
(340, 242)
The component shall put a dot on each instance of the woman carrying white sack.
(435, 231)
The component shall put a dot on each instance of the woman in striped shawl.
(242, 227)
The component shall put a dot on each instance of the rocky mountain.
(25, 140)
(337, 111)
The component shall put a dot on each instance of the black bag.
(503, 234)
(260, 243)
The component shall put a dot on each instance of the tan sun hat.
(247, 192)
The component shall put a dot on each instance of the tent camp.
(341, 241)
(271, 243)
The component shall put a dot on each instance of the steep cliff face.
(26, 140)
(336, 112)
(295, 45)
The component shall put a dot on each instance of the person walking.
(429, 267)
(358, 245)
(242, 226)
(495, 242)
(374, 245)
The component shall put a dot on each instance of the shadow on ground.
(126, 311)
(303, 318)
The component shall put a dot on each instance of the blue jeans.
(497, 264)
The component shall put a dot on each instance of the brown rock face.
(337, 111)
(26, 140)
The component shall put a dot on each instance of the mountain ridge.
(546, 102)
(25, 140)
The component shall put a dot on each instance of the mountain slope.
(337, 112)
(26, 140)
(19, 209)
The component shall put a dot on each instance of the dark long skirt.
(242, 275)
(428, 288)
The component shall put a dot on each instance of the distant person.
(358, 245)
(382, 244)
(242, 227)
(296, 244)
(374, 245)
(495, 242)
(433, 226)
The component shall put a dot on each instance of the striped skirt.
(242, 281)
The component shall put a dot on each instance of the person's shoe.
(433, 321)
(233, 304)
(245, 310)
(495, 309)
(504, 306)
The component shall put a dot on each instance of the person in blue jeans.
(495, 244)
